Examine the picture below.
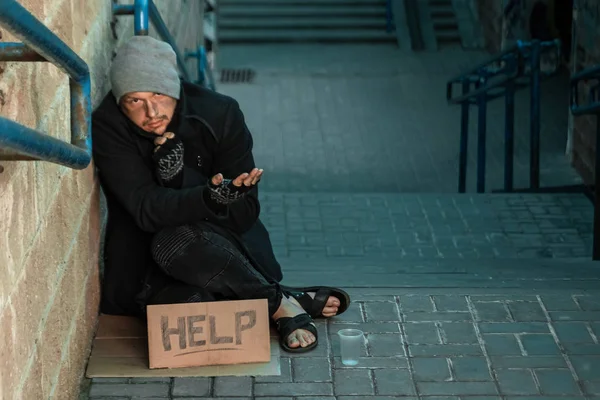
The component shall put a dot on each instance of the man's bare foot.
(290, 308)
(331, 308)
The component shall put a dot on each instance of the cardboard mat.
(120, 350)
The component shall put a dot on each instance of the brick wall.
(586, 40)
(50, 218)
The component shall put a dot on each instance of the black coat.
(216, 139)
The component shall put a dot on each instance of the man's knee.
(172, 242)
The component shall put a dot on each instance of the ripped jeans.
(202, 265)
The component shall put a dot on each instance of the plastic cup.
(350, 344)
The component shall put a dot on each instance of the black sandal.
(287, 325)
(314, 307)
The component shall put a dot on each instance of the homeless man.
(176, 166)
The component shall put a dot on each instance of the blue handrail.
(40, 44)
(144, 11)
(500, 76)
(592, 107)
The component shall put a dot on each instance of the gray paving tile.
(355, 382)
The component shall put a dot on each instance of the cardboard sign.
(212, 333)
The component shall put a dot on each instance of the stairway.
(303, 21)
(444, 22)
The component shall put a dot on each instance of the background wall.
(50, 218)
(586, 44)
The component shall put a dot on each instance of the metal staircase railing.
(501, 76)
(591, 78)
(143, 12)
(41, 45)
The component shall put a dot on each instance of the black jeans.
(202, 265)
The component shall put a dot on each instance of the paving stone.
(470, 369)
(315, 369)
(575, 332)
(374, 362)
(381, 311)
(129, 389)
(502, 345)
(451, 303)
(516, 382)
(368, 327)
(456, 388)
(588, 303)
(446, 350)
(586, 366)
(421, 333)
(151, 379)
(559, 303)
(109, 398)
(293, 389)
(527, 311)
(286, 373)
(352, 314)
(495, 312)
(374, 398)
(393, 382)
(191, 386)
(430, 369)
(415, 303)
(592, 388)
(513, 327)
(528, 362)
(233, 386)
(539, 345)
(554, 382)
(458, 333)
(437, 317)
(385, 345)
(590, 316)
(353, 382)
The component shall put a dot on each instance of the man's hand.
(168, 156)
(227, 191)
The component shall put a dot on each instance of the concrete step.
(533, 274)
(341, 11)
(313, 36)
(446, 11)
(302, 23)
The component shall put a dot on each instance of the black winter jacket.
(216, 139)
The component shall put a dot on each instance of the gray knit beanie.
(145, 64)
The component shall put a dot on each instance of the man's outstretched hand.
(227, 191)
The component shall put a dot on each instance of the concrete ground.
(466, 297)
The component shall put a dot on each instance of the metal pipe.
(19, 52)
(164, 33)
(509, 135)
(414, 24)
(140, 17)
(534, 118)
(32, 143)
(464, 142)
(123, 9)
(35, 144)
(596, 239)
(481, 138)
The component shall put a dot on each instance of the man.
(173, 235)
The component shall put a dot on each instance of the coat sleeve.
(124, 173)
(234, 157)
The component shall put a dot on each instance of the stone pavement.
(375, 119)
(449, 346)
(461, 297)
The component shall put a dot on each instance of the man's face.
(150, 111)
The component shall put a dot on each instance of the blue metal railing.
(501, 76)
(389, 16)
(591, 78)
(41, 45)
(143, 12)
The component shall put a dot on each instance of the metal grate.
(237, 75)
